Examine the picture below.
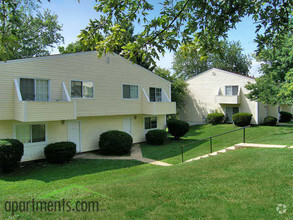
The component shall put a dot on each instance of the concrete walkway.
(135, 154)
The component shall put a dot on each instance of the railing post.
(182, 154)
(211, 145)
(244, 135)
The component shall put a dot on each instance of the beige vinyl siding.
(107, 78)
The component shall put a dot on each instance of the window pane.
(158, 94)
(235, 110)
(147, 123)
(234, 90)
(76, 87)
(38, 133)
(134, 92)
(152, 94)
(42, 90)
(88, 89)
(154, 122)
(27, 89)
(126, 91)
(23, 133)
(228, 90)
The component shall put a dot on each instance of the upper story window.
(31, 133)
(130, 92)
(150, 123)
(82, 89)
(34, 89)
(155, 94)
(231, 90)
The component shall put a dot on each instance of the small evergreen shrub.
(156, 137)
(285, 116)
(216, 118)
(270, 121)
(60, 152)
(115, 143)
(242, 119)
(11, 152)
(177, 128)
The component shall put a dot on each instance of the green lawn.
(171, 151)
(242, 184)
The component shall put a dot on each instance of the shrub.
(215, 118)
(156, 137)
(242, 119)
(285, 116)
(177, 128)
(11, 152)
(60, 152)
(115, 143)
(270, 121)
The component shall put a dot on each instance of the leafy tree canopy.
(275, 86)
(181, 21)
(25, 31)
(189, 61)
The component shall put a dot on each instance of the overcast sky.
(75, 16)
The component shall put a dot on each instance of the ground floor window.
(31, 133)
(150, 122)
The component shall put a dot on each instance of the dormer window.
(34, 89)
(231, 90)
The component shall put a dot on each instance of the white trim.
(32, 123)
(82, 89)
(152, 116)
(146, 95)
(17, 88)
(128, 84)
(80, 133)
(221, 71)
(65, 94)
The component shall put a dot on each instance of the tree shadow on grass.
(51, 172)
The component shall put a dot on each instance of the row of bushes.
(244, 119)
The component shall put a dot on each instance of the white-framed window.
(30, 133)
(34, 89)
(150, 123)
(130, 91)
(155, 94)
(231, 90)
(82, 89)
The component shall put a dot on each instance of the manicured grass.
(171, 151)
(243, 184)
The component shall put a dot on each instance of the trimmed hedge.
(11, 152)
(242, 119)
(216, 118)
(285, 116)
(270, 121)
(156, 137)
(177, 128)
(60, 152)
(115, 143)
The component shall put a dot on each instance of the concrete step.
(213, 154)
(230, 148)
(222, 151)
(241, 145)
(205, 156)
(193, 159)
(291, 147)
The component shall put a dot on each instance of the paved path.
(136, 154)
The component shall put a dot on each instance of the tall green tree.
(188, 60)
(275, 86)
(181, 21)
(26, 31)
(178, 87)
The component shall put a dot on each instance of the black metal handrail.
(211, 139)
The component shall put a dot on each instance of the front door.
(127, 127)
(230, 111)
(74, 133)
